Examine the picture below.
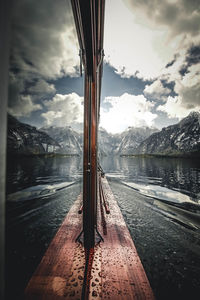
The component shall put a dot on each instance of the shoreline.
(46, 155)
(161, 155)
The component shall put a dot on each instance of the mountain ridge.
(179, 139)
(24, 139)
(69, 140)
(174, 140)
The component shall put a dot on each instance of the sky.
(151, 71)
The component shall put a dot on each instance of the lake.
(159, 199)
(175, 174)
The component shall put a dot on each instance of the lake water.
(157, 176)
(160, 201)
(40, 191)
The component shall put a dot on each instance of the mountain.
(24, 139)
(108, 143)
(178, 139)
(131, 139)
(69, 140)
(122, 143)
(182, 138)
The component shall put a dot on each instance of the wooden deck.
(116, 273)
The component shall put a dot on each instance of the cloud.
(126, 110)
(24, 107)
(188, 99)
(20, 104)
(156, 90)
(187, 84)
(44, 46)
(143, 37)
(44, 40)
(23, 101)
(64, 110)
(133, 49)
(42, 87)
(193, 55)
(180, 16)
(188, 88)
(174, 108)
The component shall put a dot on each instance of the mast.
(89, 20)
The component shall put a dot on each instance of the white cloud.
(142, 37)
(133, 46)
(179, 21)
(157, 90)
(174, 108)
(64, 110)
(187, 88)
(126, 110)
(130, 46)
(24, 107)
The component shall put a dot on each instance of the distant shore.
(46, 155)
(162, 155)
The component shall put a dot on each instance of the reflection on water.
(159, 200)
(40, 192)
(28, 172)
(178, 174)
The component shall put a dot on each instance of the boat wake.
(38, 191)
(159, 192)
(174, 205)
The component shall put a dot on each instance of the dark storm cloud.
(43, 47)
(41, 34)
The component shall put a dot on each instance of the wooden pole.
(89, 20)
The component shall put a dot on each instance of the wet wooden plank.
(123, 276)
(116, 273)
(56, 273)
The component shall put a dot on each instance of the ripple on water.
(159, 192)
(37, 191)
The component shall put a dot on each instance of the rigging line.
(101, 59)
(81, 51)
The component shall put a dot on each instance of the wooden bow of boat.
(115, 270)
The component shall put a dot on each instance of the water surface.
(164, 175)
(159, 199)
(40, 192)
